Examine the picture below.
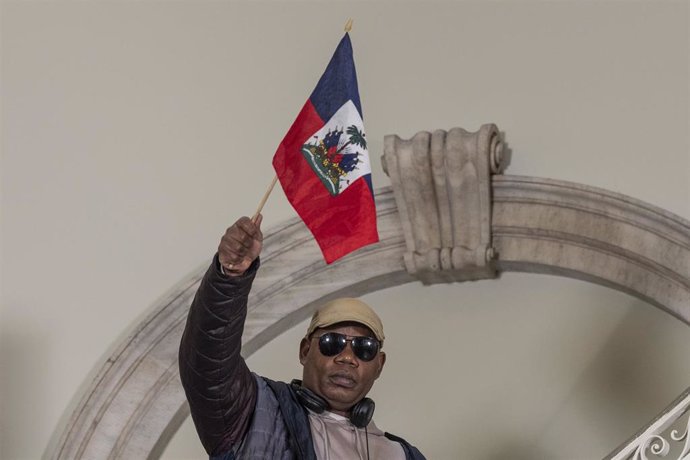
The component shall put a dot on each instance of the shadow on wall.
(27, 347)
(516, 450)
(638, 371)
(634, 377)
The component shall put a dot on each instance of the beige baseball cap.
(347, 309)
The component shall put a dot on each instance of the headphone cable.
(366, 436)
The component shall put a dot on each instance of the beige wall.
(134, 132)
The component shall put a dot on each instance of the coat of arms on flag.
(338, 152)
(323, 163)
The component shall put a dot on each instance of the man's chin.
(341, 399)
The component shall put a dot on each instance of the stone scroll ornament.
(323, 163)
(442, 187)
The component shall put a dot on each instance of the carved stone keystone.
(442, 187)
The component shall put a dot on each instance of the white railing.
(666, 437)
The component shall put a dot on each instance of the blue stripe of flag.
(338, 84)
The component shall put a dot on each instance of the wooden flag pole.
(265, 198)
(348, 28)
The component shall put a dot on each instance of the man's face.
(343, 379)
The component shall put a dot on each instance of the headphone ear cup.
(362, 413)
(307, 398)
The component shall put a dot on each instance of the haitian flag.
(323, 163)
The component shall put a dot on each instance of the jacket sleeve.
(219, 387)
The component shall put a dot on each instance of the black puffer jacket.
(220, 389)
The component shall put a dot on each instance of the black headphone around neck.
(360, 414)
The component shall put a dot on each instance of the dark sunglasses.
(333, 343)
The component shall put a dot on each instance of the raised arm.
(219, 387)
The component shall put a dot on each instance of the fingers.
(250, 228)
(240, 244)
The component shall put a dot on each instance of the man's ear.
(304, 350)
(382, 360)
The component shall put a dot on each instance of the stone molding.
(442, 187)
(136, 403)
(577, 231)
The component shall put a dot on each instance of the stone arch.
(136, 403)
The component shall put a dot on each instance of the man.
(240, 415)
